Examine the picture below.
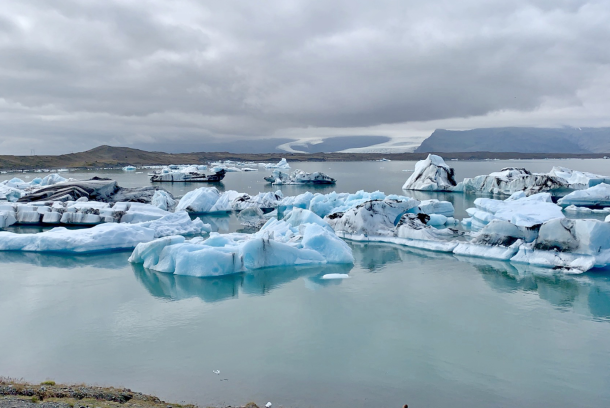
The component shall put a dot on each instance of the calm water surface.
(408, 326)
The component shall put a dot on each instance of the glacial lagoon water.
(408, 327)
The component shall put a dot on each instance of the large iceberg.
(578, 180)
(302, 238)
(278, 177)
(511, 179)
(81, 212)
(431, 174)
(519, 209)
(104, 237)
(206, 200)
(96, 189)
(596, 196)
(388, 220)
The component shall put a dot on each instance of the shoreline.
(107, 156)
(21, 394)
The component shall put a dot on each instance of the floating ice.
(163, 200)
(578, 180)
(278, 243)
(596, 196)
(104, 237)
(299, 177)
(431, 174)
(335, 276)
(518, 209)
(510, 180)
(282, 164)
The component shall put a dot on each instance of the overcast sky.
(75, 74)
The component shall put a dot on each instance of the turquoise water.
(408, 327)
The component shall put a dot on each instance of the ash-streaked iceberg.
(207, 200)
(279, 177)
(431, 174)
(300, 239)
(510, 180)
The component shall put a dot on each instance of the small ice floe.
(268, 405)
(335, 276)
(217, 372)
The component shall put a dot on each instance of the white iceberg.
(431, 174)
(104, 237)
(278, 243)
(578, 180)
(596, 196)
(200, 200)
(163, 200)
(518, 209)
(282, 164)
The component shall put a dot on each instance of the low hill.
(109, 156)
(519, 139)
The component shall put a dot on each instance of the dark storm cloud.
(82, 73)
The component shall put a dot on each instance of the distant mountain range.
(519, 140)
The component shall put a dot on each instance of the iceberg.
(371, 218)
(200, 200)
(578, 180)
(96, 189)
(278, 243)
(575, 245)
(163, 200)
(519, 209)
(431, 174)
(104, 237)
(596, 196)
(207, 200)
(282, 164)
(299, 177)
(510, 180)
(10, 193)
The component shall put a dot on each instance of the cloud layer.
(75, 74)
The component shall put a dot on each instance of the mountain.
(520, 140)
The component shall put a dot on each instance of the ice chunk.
(510, 180)
(10, 193)
(178, 223)
(299, 177)
(200, 200)
(578, 180)
(372, 218)
(104, 237)
(596, 196)
(51, 179)
(252, 217)
(524, 212)
(282, 164)
(335, 276)
(277, 244)
(7, 218)
(431, 174)
(163, 200)
(434, 206)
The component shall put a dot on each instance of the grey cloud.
(88, 72)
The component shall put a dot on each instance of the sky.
(175, 75)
